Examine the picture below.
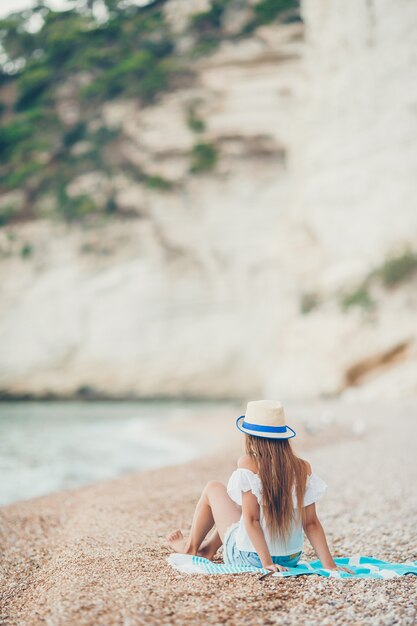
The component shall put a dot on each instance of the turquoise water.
(49, 446)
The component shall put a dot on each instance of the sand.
(96, 556)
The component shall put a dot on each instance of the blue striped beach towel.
(363, 566)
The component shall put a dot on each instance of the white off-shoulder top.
(246, 480)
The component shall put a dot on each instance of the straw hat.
(265, 418)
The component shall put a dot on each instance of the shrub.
(266, 11)
(194, 122)
(74, 134)
(309, 301)
(358, 297)
(12, 134)
(63, 34)
(207, 28)
(138, 64)
(26, 250)
(161, 48)
(153, 83)
(398, 269)
(111, 206)
(76, 207)
(6, 214)
(204, 47)
(210, 20)
(204, 157)
(103, 135)
(158, 182)
(91, 59)
(394, 271)
(141, 74)
(19, 175)
(31, 85)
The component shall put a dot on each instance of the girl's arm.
(251, 518)
(315, 534)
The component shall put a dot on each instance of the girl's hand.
(273, 567)
(341, 568)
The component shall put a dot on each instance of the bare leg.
(202, 523)
(209, 547)
(215, 507)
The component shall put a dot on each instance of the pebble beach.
(96, 556)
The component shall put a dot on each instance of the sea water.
(50, 446)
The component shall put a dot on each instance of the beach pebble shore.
(96, 556)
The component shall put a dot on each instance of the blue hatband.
(264, 429)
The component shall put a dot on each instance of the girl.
(269, 500)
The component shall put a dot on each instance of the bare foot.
(176, 541)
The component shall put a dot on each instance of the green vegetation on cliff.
(76, 61)
(57, 70)
(396, 270)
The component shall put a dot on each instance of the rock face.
(201, 294)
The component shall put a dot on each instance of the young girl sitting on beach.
(270, 498)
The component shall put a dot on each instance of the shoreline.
(183, 427)
(96, 555)
(98, 396)
(49, 447)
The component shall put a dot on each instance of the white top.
(246, 480)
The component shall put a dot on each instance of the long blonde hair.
(279, 469)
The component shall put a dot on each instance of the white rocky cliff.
(231, 283)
